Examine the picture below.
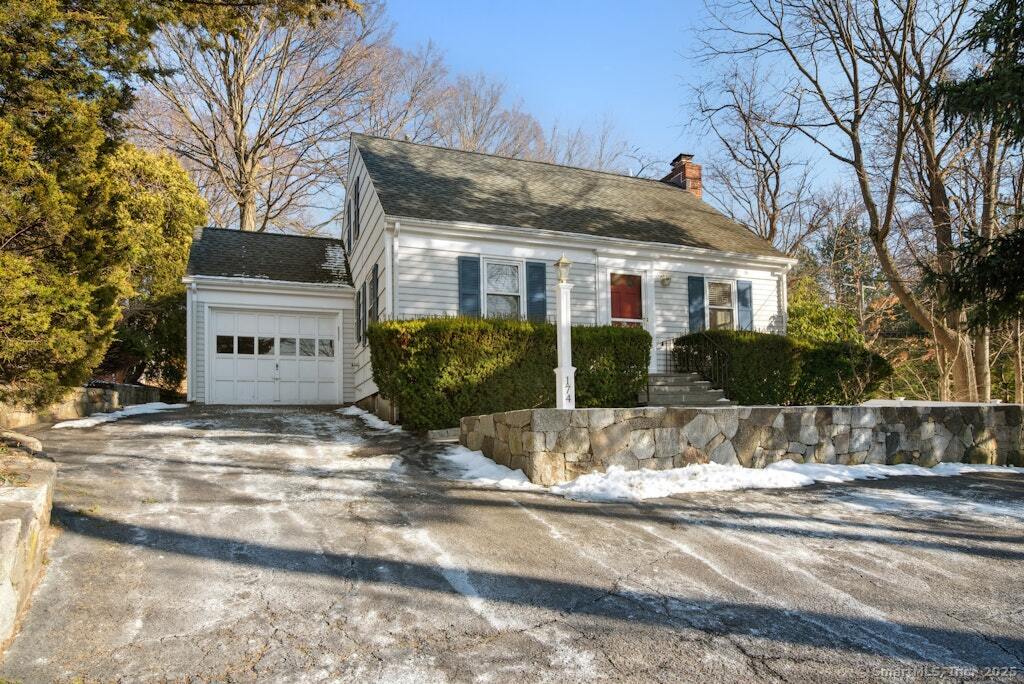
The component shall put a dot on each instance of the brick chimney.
(685, 174)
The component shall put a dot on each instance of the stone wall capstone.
(558, 445)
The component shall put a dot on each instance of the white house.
(436, 232)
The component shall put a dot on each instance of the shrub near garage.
(441, 369)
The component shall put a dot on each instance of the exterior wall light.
(665, 280)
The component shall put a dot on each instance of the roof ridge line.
(518, 159)
(263, 232)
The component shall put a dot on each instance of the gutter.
(587, 241)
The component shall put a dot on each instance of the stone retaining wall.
(80, 402)
(26, 495)
(558, 445)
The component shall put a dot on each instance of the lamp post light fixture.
(562, 266)
(565, 373)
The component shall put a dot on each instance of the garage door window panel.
(325, 348)
(266, 346)
(246, 346)
(287, 346)
(307, 347)
(225, 344)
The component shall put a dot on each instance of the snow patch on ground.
(127, 411)
(370, 419)
(822, 472)
(473, 466)
(618, 484)
(919, 503)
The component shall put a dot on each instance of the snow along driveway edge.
(134, 410)
(619, 484)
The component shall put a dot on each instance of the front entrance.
(627, 300)
(270, 357)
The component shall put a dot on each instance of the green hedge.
(441, 369)
(759, 368)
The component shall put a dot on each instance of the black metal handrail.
(698, 353)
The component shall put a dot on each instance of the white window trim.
(521, 264)
(707, 301)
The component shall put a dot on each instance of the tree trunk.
(982, 369)
(247, 212)
(1018, 365)
(990, 192)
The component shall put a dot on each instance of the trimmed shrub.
(758, 368)
(441, 369)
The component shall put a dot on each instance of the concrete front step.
(681, 389)
(698, 386)
(674, 379)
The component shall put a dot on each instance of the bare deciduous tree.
(760, 176)
(261, 113)
(863, 75)
(474, 114)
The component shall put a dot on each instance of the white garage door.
(269, 357)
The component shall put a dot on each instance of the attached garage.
(270, 320)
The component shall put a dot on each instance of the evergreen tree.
(993, 94)
(988, 274)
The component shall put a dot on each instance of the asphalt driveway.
(300, 545)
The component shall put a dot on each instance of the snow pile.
(618, 484)
(136, 410)
(370, 419)
(473, 466)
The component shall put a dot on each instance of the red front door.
(627, 300)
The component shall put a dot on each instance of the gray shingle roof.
(267, 256)
(426, 182)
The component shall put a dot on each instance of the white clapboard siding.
(429, 278)
(368, 250)
(198, 378)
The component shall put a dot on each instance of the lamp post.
(565, 374)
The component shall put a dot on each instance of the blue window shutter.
(359, 316)
(348, 227)
(744, 305)
(374, 294)
(355, 211)
(469, 286)
(695, 289)
(536, 291)
(362, 313)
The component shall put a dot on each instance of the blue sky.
(573, 62)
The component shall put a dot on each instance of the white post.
(565, 373)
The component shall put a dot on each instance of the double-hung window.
(721, 305)
(503, 289)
